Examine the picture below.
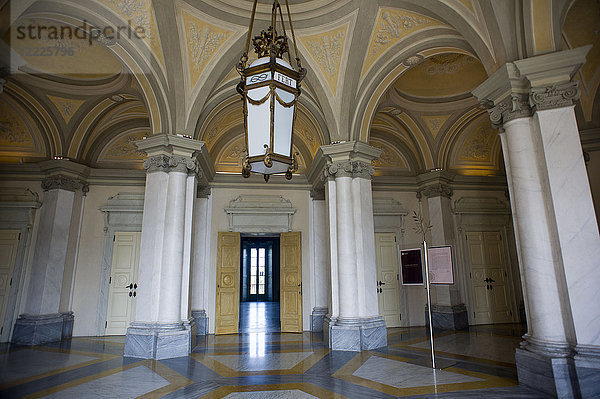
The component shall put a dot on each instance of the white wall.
(89, 260)
(220, 200)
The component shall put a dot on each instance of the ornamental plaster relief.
(326, 49)
(392, 26)
(140, 13)
(434, 123)
(206, 40)
(124, 148)
(66, 106)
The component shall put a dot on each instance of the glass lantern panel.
(258, 78)
(259, 122)
(278, 167)
(284, 118)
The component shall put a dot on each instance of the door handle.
(380, 283)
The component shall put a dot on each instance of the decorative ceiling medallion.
(413, 60)
(66, 106)
(435, 123)
(391, 27)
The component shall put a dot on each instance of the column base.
(587, 366)
(547, 368)
(41, 329)
(158, 340)
(447, 317)
(317, 318)
(355, 334)
(201, 321)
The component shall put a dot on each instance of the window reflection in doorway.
(259, 294)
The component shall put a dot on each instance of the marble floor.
(272, 365)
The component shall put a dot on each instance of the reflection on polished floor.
(259, 317)
(271, 365)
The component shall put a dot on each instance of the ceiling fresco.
(396, 76)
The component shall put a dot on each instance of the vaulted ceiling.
(395, 74)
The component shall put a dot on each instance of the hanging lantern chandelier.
(270, 88)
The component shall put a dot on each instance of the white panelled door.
(388, 291)
(123, 282)
(9, 241)
(491, 295)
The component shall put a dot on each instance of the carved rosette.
(512, 107)
(61, 182)
(172, 163)
(554, 96)
(436, 190)
(350, 169)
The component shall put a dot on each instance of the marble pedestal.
(447, 317)
(552, 375)
(41, 329)
(355, 334)
(317, 318)
(158, 341)
(201, 321)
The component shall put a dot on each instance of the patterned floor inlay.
(288, 394)
(406, 375)
(126, 384)
(271, 365)
(268, 361)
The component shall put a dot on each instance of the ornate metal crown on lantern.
(270, 88)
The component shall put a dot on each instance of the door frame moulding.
(122, 212)
(487, 214)
(17, 212)
(260, 214)
(389, 217)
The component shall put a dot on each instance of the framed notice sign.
(411, 266)
(440, 265)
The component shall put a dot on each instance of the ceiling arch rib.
(139, 59)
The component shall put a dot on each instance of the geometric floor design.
(271, 365)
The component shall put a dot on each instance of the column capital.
(317, 193)
(519, 88)
(435, 184)
(349, 169)
(63, 182)
(169, 152)
(172, 163)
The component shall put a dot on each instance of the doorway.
(259, 282)
(492, 301)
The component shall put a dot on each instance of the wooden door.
(228, 283)
(291, 282)
(9, 241)
(388, 292)
(122, 291)
(491, 296)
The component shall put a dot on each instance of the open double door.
(228, 282)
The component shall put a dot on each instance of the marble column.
(353, 323)
(46, 319)
(448, 311)
(200, 260)
(558, 243)
(318, 245)
(161, 328)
